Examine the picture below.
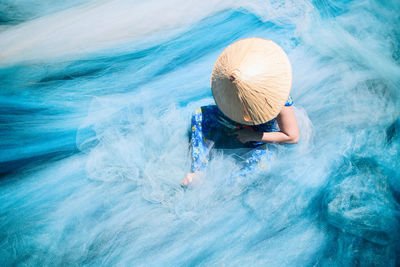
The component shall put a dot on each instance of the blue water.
(95, 106)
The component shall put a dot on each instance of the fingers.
(189, 178)
(238, 131)
(235, 132)
(186, 181)
(240, 140)
(238, 134)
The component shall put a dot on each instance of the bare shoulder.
(287, 115)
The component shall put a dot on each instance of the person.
(251, 82)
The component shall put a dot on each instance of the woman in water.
(251, 82)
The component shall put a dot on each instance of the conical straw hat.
(251, 81)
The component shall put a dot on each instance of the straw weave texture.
(251, 80)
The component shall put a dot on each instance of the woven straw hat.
(251, 81)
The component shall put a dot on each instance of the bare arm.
(289, 130)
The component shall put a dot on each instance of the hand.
(247, 135)
(190, 177)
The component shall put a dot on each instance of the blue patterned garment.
(211, 129)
